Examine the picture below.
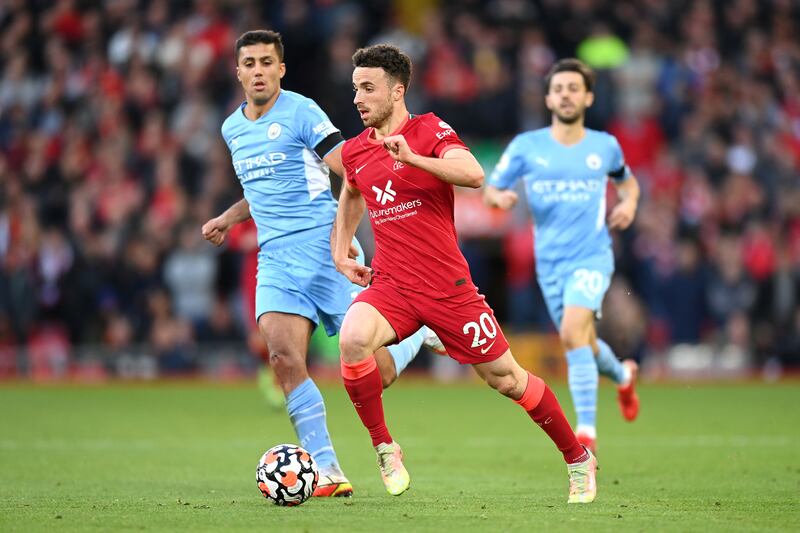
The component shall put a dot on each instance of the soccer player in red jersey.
(402, 169)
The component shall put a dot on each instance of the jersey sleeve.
(509, 168)
(618, 170)
(223, 130)
(315, 126)
(442, 136)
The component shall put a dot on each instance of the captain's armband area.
(328, 143)
(620, 173)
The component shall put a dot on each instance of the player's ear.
(282, 69)
(398, 91)
(238, 74)
(589, 99)
(547, 103)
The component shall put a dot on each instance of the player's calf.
(386, 366)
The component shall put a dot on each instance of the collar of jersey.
(566, 146)
(243, 104)
(371, 136)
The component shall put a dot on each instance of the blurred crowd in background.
(111, 160)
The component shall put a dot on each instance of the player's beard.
(262, 99)
(379, 115)
(570, 119)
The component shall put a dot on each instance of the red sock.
(363, 383)
(543, 407)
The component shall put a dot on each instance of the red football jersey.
(411, 210)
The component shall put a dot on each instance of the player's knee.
(282, 360)
(572, 337)
(506, 385)
(353, 346)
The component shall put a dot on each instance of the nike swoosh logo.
(484, 350)
(359, 168)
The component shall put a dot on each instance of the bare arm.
(352, 254)
(351, 209)
(334, 160)
(216, 229)
(502, 198)
(624, 212)
(457, 166)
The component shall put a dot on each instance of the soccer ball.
(287, 475)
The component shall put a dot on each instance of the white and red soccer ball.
(287, 475)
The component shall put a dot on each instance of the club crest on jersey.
(397, 166)
(593, 161)
(444, 125)
(274, 131)
(384, 195)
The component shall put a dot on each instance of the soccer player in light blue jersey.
(565, 169)
(282, 145)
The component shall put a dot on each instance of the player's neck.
(255, 111)
(568, 134)
(398, 116)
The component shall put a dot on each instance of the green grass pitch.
(170, 457)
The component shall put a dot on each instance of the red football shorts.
(465, 323)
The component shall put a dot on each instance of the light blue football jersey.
(566, 191)
(285, 182)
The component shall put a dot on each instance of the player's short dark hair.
(259, 37)
(570, 65)
(396, 64)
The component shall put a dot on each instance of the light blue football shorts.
(580, 283)
(297, 276)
